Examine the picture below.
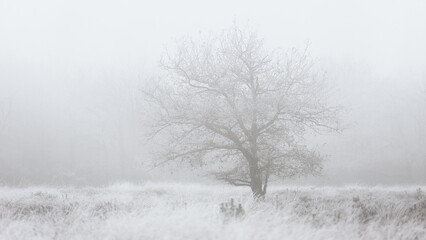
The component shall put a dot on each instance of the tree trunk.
(256, 181)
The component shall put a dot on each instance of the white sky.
(388, 35)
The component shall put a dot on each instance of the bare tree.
(228, 104)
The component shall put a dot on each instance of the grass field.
(191, 211)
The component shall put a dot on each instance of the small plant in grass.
(419, 194)
(355, 199)
(229, 210)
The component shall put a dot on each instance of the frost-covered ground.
(183, 211)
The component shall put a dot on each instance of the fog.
(71, 75)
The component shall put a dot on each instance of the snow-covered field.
(191, 211)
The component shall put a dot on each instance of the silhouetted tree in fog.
(239, 110)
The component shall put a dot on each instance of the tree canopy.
(228, 104)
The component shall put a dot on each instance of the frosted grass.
(192, 211)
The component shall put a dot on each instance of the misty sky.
(70, 74)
